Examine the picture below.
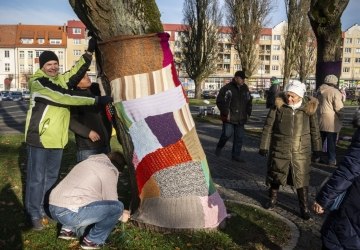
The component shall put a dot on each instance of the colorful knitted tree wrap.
(172, 174)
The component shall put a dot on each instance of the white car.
(26, 95)
(255, 95)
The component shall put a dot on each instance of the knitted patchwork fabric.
(172, 174)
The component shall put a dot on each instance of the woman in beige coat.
(290, 134)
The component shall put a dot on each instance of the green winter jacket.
(291, 136)
(47, 121)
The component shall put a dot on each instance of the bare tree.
(325, 20)
(305, 65)
(199, 39)
(246, 18)
(294, 36)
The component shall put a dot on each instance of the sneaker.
(88, 244)
(238, 159)
(67, 235)
(37, 224)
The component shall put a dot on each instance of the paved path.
(245, 182)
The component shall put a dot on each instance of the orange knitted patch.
(162, 158)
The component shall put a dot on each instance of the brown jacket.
(291, 136)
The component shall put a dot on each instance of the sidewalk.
(245, 182)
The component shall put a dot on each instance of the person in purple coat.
(341, 229)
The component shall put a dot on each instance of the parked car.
(26, 95)
(16, 96)
(208, 94)
(6, 95)
(255, 95)
(190, 93)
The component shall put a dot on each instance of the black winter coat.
(86, 118)
(274, 90)
(341, 229)
(234, 103)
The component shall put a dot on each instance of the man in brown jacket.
(330, 113)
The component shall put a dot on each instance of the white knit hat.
(331, 79)
(296, 87)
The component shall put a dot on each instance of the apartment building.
(350, 71)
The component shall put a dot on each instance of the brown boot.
(273, 192)
(304, 202)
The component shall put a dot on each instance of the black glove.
(263, 152)
(102, 100)
(92, 45)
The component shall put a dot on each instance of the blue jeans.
(238, 131)
(101, 216)
(331, 144)
(83, 154)
(43, 167)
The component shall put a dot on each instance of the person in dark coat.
(235, 104)
(89, 123)
(290, 134)
(341, 229)
(274, 90)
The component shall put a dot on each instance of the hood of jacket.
(309, 104)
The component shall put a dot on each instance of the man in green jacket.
(47, 123)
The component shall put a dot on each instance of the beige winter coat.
(330, 108)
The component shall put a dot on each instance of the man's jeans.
(83, 154)
(103, 214)
(43, 167)
(229, 129)
(331, 138)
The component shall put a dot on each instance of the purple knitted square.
(164, 128)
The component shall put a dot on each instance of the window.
(21, 54)
(76, 31)
(26, 41)
(346, 69)
(358, 41)
(348, 40)
(265, 37)
(41, 40)
(276, 47)
(60, 54)
(30, 68)
(61, 68)
(275, 67)
(7, 67)
(237, 67)
(30, 55)
(6, 54)
(357, 50)
(38, 53)
(277, 37)
(357, 60)
(22, 68)
(77, 41)
(347, 60)
(77, 52)
(55, 41)
(275, 57)
(347, 50)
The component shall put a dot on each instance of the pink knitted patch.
(214, 210)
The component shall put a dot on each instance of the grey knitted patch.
(182, 180)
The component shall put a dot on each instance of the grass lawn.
(248, 227)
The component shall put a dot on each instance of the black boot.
(273, 192)
(304, 202)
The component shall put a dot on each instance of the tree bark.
(325, 20)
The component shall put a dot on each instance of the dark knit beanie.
(46, 56)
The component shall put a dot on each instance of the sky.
(58, 12)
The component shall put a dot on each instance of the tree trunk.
(152, 117)
(325, 20)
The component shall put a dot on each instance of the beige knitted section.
(151, 189)
(193, 145)
(184, 119)
(141, 85)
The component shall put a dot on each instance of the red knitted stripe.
(162, 158)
